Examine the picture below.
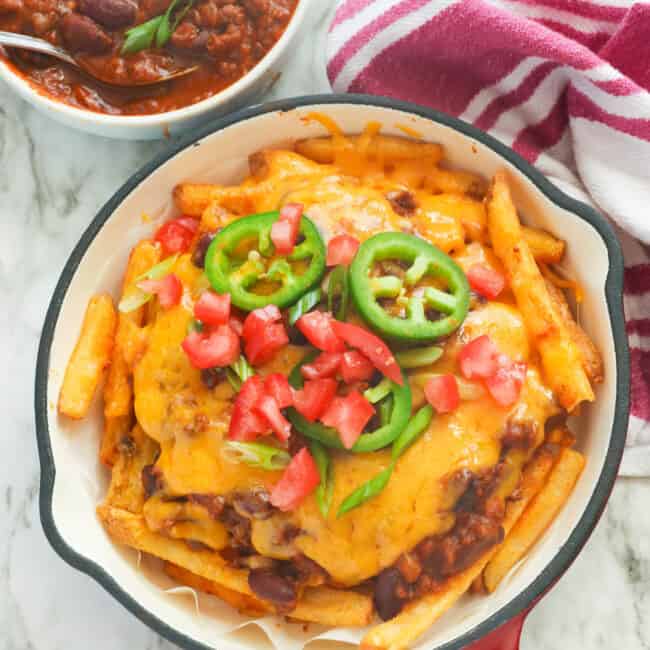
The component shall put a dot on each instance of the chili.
(127, 43)
(425, 261)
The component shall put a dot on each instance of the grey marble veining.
(52, 181)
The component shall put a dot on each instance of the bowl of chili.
(67, 512)
(237, 51)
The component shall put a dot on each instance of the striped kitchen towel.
(563, 82)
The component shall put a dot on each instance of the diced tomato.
(236, 325)
(263, 335)
(372, 346)
(176, 236)
(442, 393)
(485, 280)
(317, 326)
(245, 423)
(506, 383)
(300, 479)
(283, 236)
(341, 250)
(269, 408)
(278, 387)
(314, 397)
(479, 358)
(263, 347)
(258, 319)
(356, 367)
(325, 364)
(168, 289)
(212, 308)
(191, 223)
(348, 415)
(284, 232)
(217, 347)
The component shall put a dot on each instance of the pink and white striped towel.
(564, 82)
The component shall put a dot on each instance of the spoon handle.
(10, 39)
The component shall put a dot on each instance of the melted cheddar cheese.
(346, 194)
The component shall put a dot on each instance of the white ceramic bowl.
(73, 482)
(243, 92)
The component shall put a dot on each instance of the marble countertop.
(52, 181)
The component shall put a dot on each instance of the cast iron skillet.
(501, 631)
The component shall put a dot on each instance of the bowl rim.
(84, 117)
(613, 293)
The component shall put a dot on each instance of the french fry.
(561, 436)
(273, 174)
(543, 246)
(118, 391)
(532, 481)
(130, 529)
(244, 603)
(91, 355)
(334, 607)
(592, 362)
(192, 198)
(215, 217)
(135, 451)
(536, 518)
(389, 148)
(279, 165)
(448, 181)
(316, 604)
(115, 428)
(561, 359)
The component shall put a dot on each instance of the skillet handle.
(506, 637)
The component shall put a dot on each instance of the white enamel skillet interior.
(246, 90)
(73, 482)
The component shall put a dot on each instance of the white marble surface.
(52, 181)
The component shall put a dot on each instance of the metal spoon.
(11, 39)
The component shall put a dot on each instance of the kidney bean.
(185, 35)
(42, 22)
(388, 585)
(83, 34)
(110, 13)
(213, 503)
(210, 377)
(271, 586)
(151, 480)
(198, 256)
(253, 505)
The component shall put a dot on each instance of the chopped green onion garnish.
(304, 305)
(378, 392)
(134, 298)
(418, 357)
(239, 372)
(194, 326)
(256, 455)
(338, 285)
(160, 270)
(325, 489)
